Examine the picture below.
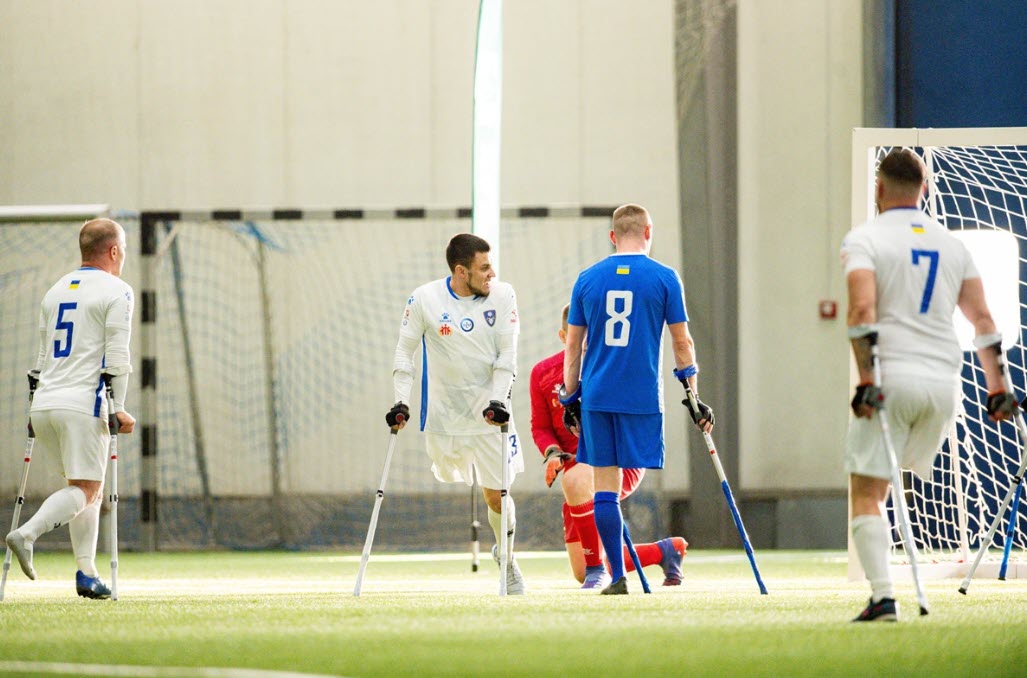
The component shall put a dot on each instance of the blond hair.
(631, 220)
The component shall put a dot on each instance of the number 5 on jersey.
(617, 327)
(68, 326)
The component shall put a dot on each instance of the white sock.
(58, 509)
(84, 529)
(870, 535)
(496, 521)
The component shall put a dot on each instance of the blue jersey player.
(613, 392)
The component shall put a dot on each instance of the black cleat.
(91, 587)
(886, 609)
(617, 588)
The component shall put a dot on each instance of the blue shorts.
(622, 440)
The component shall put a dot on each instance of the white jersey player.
(468, 325)
(906, 275)
(85, 323)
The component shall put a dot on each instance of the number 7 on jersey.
(932, 273)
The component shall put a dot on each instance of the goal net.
(273, 336)
(977, 182)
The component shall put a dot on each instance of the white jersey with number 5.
(919, 269)
(85, 322)
(461, 335)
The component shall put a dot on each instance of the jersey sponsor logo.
(623, 270)
(513, 316)
(445, 330)
(446, 318)
(410, 300)
(466, 324)
(490, 317)
(74, 284)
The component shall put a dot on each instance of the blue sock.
(610, 524)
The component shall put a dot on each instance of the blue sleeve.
(676, 312)
(576, 315)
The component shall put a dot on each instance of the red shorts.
(630, 479)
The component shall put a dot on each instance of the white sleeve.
(118, 334)
(410, 332)
(41, 355)
(856, 254)
(403, 368)
(504, 368)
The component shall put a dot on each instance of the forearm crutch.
(20, 501)
(377, 507)
(475, 526)
(113, 426)
(504, 556)
(635, 560)
(694, 405)
(898, 495)
(1017, 479)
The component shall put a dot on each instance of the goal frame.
(865, 142)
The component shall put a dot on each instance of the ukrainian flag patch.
(74, 284)
(623, 270)
(917, 228)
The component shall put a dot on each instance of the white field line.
(63, 668)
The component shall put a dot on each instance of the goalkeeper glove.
(555, 460)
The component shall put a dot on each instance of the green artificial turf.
(430, 615)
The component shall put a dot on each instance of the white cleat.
(514, 578)
(23, 551)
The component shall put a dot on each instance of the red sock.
(648, 554)
(584, 520)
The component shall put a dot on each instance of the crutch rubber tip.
(923, 611)
(962, 589)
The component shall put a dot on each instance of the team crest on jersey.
(445, 330)
(490, 317)
(466, 324)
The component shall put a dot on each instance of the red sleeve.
(541, 418)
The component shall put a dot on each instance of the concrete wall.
(800, 93)
(236, 103)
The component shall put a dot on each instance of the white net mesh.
(979, 191)
(274, 347)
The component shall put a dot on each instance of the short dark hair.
(904, 168)
(463, 248)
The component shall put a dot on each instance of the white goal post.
(977, 181)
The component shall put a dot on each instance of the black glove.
(397, 415)
(496, 413)
(700, 412)
(1001, 405)
(867, 395)
(572, 417)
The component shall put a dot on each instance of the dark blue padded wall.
(961, 64)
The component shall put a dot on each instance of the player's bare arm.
(1001, 405)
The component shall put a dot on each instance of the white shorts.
(456, 458)
(919, 415)
(79, 440)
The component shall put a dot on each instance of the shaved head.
(98, 236)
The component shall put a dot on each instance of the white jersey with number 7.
(919, 269)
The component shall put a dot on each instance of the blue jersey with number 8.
(624, 302)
